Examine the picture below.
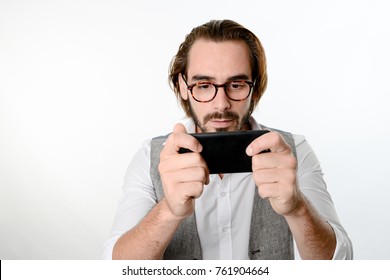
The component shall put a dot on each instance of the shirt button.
(223, 194)
(225, 229)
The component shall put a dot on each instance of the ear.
(183, 88)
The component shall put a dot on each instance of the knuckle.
(255, 161)
(290, 175)
(173, 136)
(258, 177)
(199, 172)
(165, 164)
(289, 192)
(291, 161)
(196, 189)
(198, 159)
(261, 190)
(274, 136)
(258, 161)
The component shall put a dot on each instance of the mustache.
(225, 115)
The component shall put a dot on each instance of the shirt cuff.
(343, 249)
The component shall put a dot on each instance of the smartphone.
(224, 152)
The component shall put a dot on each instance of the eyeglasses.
(234, 90)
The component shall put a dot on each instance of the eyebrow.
(197, 78)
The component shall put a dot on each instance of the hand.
(183, 176)
(275, 172)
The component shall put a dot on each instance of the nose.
(221, 102)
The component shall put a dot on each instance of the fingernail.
(249, 151)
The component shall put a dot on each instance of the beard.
(238, 123)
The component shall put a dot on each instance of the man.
(173, 208)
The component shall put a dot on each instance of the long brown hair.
(219, 31)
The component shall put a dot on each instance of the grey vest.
(270, 236)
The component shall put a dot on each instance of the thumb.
(185, 140)
(179, 128)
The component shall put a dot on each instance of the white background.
(83, 83)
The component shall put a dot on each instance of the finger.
(278, 194)
(179, 128)
(277, 175)
(191, 142)
(273, 160)
(191, 189)
(272, 141)
(268, 190)
(195, 174)
(182, 191)
(181, 198)
(266, 176)
(182, 161)
(179, 174)
(179, 138)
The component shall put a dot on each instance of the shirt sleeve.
(313, 186)
(137, 199)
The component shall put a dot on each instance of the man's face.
(218, 63)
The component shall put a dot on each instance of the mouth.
(217, 121)
(221, 123)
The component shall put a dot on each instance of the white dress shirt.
(223, 211)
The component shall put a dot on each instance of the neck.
(246, 126)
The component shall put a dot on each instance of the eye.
(237, 85)
(203, 86)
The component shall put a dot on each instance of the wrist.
(300, 208)
(167, 215)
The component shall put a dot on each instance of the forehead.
(219, 60)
